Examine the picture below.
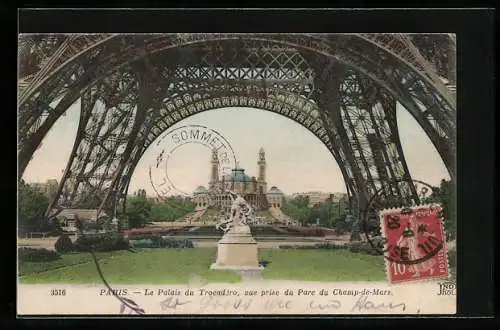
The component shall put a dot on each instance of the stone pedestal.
(237, 250)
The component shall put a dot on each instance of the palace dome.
(200, 190)
(238, 175)
(275, 191)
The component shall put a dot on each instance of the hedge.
(320, 246)
(151, 241)
(363, 247)
(37, 255)
(101, 243)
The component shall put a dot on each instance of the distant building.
(275, 197)
(318, 197)
(335, 197)
(67, 217)
(82, 214)
(48, 188)
(252, 189)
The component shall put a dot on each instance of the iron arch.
(305, 112)
(257, 65)
(314, 127)
(70, 73)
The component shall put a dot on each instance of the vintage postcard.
(236, 174)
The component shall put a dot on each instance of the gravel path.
(38, 243)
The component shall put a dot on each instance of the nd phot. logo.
(447, 288)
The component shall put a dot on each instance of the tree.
(172, 209)
(298, 209)
(446, 196)
(32, 206)
(330, 214)
(138, 211)
(337, 212)
(141, 193)
(316, 214)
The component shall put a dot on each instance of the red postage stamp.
(415, 246)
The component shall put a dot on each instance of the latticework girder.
(134, 87)
(402, 46)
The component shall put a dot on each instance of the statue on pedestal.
(241, 214)
(237, 249)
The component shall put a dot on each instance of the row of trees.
(32, 206)
(333, 214)
(141, 210)
(329, 214)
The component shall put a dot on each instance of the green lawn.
(322, 265)
(32, 268)
(177, 266)
(151, 266)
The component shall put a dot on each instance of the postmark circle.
(172, 140)
(404, 222)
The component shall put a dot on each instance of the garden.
(157, 260)
(160, 256)
(178, 266)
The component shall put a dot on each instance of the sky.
(297, 161)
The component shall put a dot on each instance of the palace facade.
(252, 189)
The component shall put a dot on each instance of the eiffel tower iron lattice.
(343, 88)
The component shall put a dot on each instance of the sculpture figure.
(241, 214)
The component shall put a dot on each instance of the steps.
(194, 216)
(277, 214)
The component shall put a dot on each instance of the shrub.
(363, 247)
(147, 241)
(140, 232)
(150, 241)
(329, 246)
(63, 244)
(101, 243)
(142, 243)
(321, 246)
(55, 229)
(37, 255)
(179, 244)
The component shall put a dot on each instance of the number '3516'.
(57, 292)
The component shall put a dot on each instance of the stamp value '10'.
(415, 248)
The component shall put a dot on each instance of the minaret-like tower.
(261, 181)
(214, 174)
